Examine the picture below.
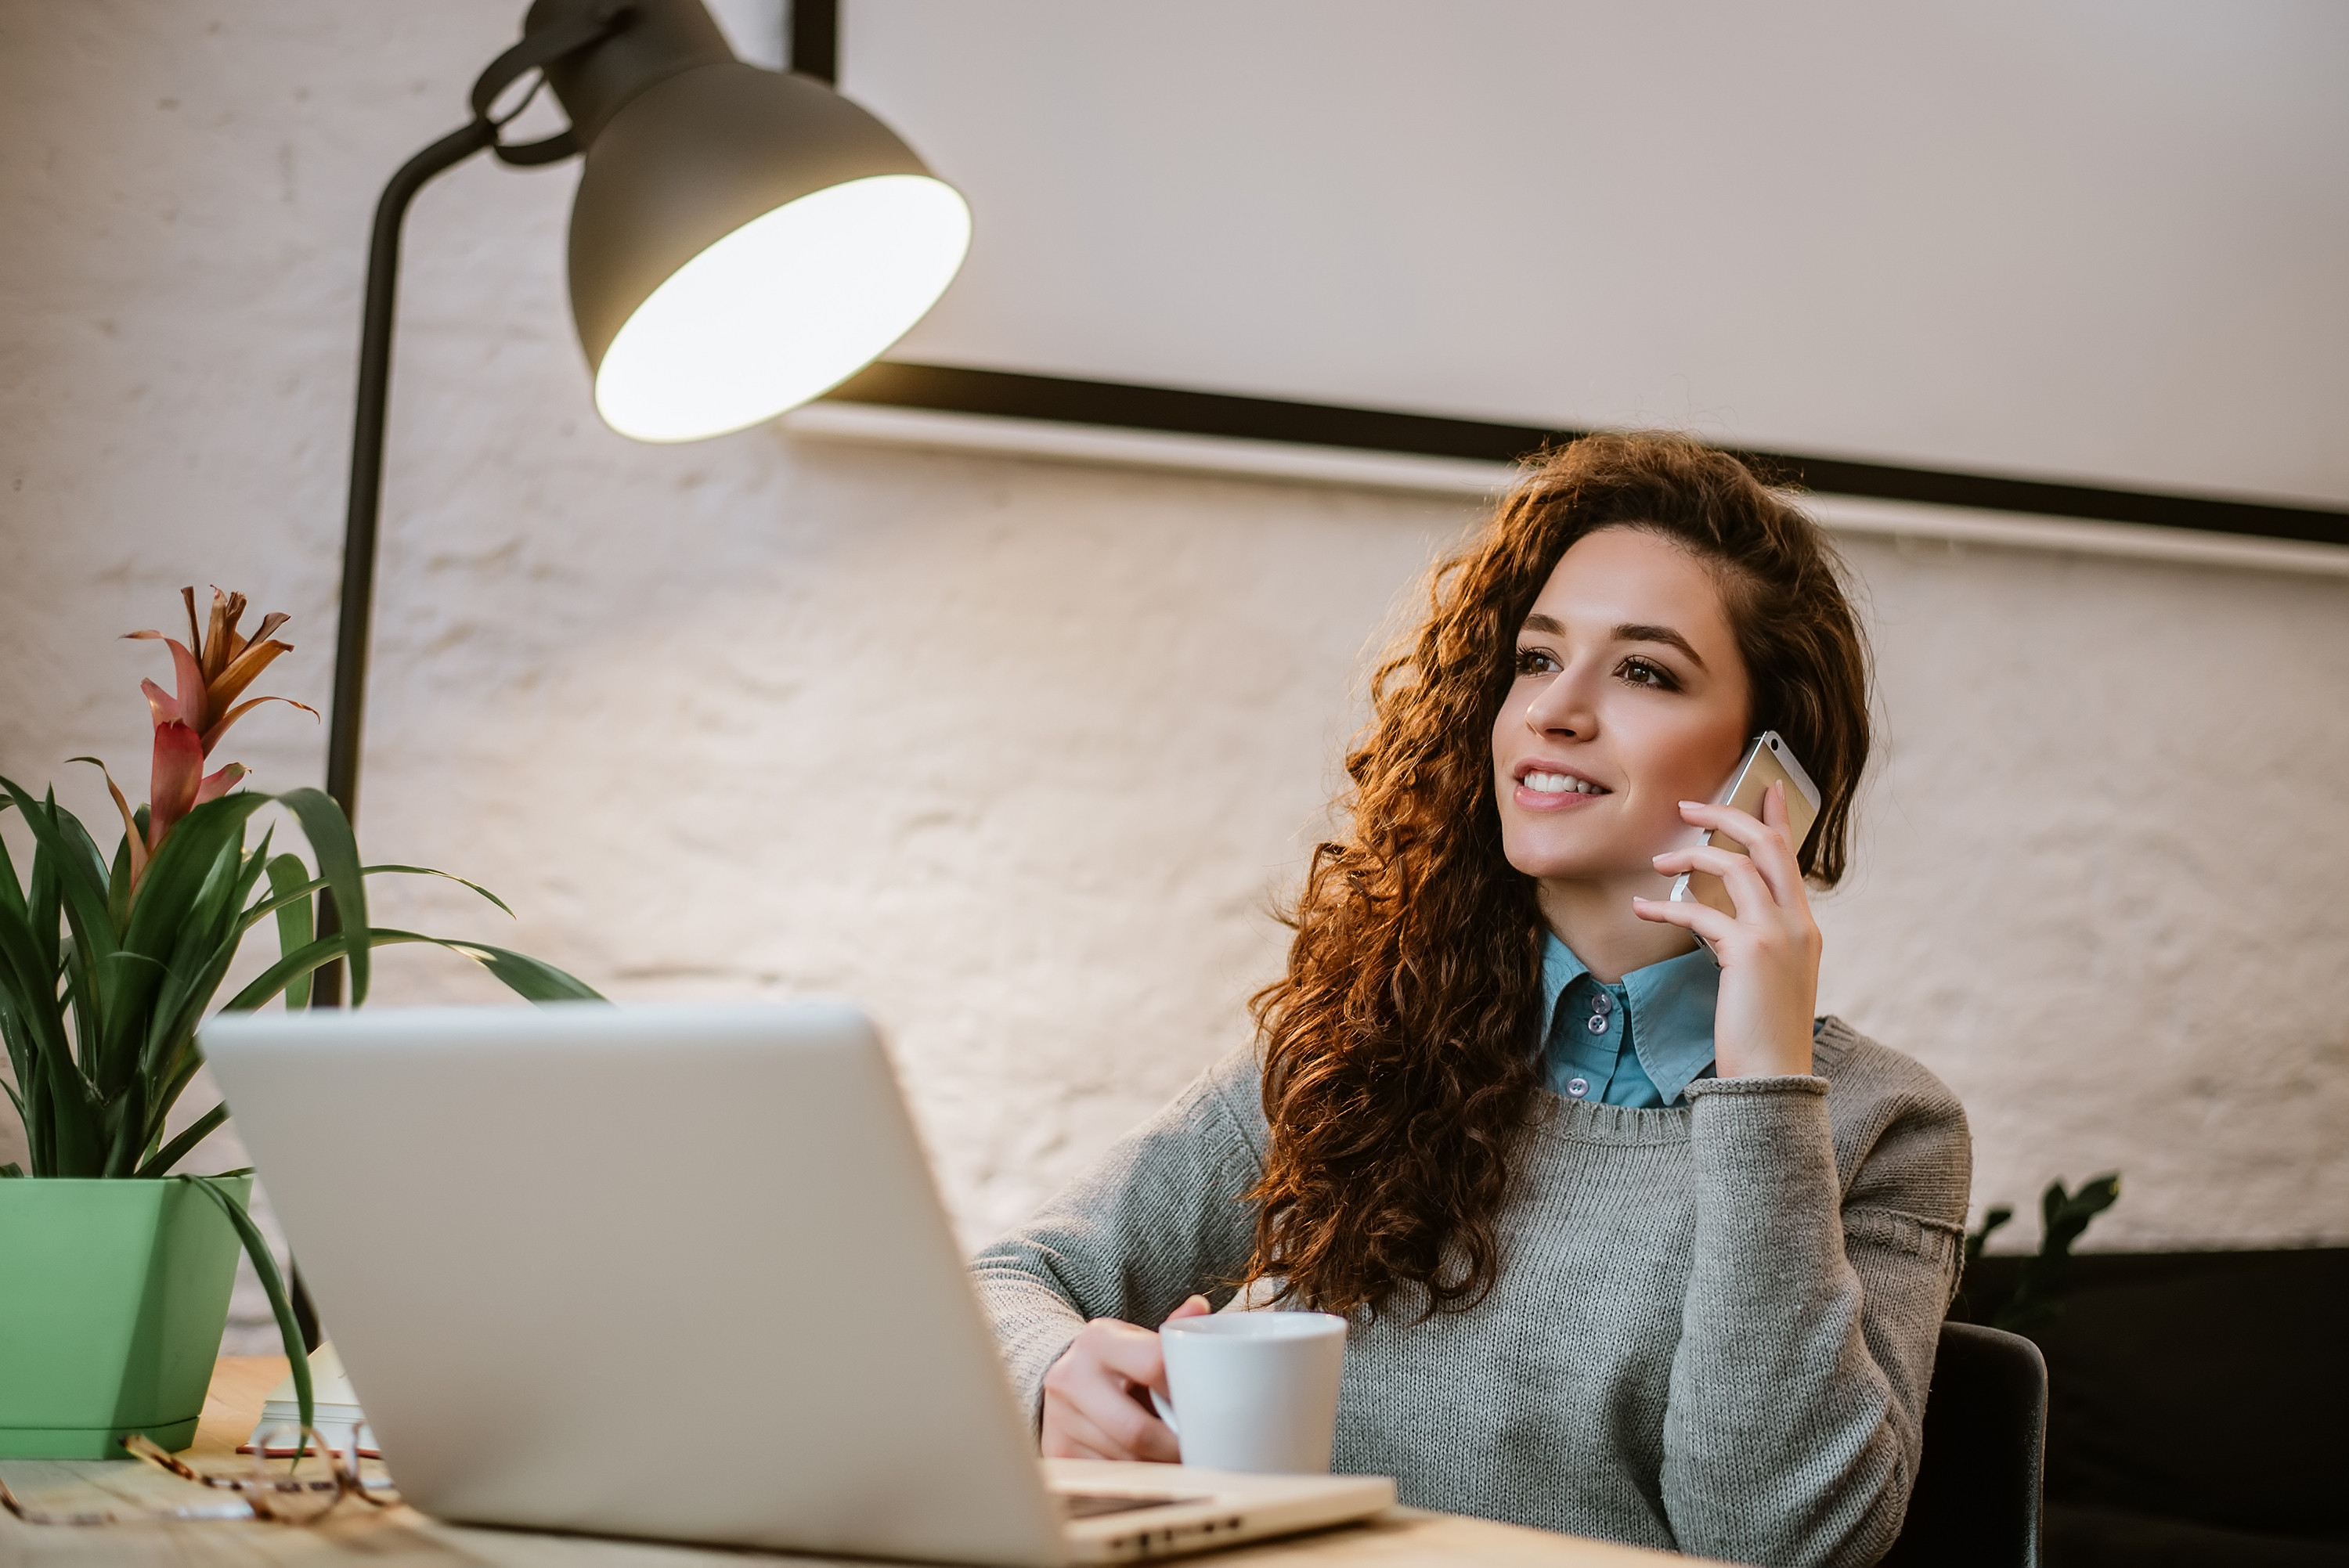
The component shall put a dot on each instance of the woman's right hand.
(1097, 1394)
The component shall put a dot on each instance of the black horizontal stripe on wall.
(1124, 406)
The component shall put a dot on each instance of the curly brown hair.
(1400, 1069)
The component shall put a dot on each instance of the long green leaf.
(303, 961)
(12, 896)
(160, 1162)
(125, 1121)
(200, 956)
(196, 867)
(532, 979)
(30, 981)
(280, 897)
(76, 1120)
(118, 885)
(64, 878)
(329, 833)
(175, 1034)
(24, 1023)
(445, 876)
(82, 888)
(227, 920)
(289, 880)
(21, 1057)
(86, 849)
(86, 994)
(191, 858)
(256, 1247)
(40, 1131)
(170, 1052)
(173, 1077)
(24, 1058)
(45, 902)
(527, 977)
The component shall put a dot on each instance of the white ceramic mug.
(1255, 1391)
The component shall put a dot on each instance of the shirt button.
(1596, 1023)
(1602, 1004)
(1578, 1087)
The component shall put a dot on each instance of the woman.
(1631, 1245)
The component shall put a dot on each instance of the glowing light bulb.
(786, 306)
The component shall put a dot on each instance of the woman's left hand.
(1769, 952)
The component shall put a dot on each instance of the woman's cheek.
(1695, 765)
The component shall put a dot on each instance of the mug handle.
(1165, 1411)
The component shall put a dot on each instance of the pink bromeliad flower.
(189, 723)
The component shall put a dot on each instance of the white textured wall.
(1014, 751)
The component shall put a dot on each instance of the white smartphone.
(1768, 760)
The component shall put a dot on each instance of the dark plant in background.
(107, 967)
(2037, 1297)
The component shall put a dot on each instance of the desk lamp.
(741, 239)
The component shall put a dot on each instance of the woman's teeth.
(1561, 784)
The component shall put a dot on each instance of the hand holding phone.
(1768, 760)
(1764, 938)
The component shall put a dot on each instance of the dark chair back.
(1978, 1500)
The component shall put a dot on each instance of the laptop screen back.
(667, 1272)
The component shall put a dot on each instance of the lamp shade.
(742, 240)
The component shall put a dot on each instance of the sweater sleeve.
(1813, 1313)
(1158, 1218)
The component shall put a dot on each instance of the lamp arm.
(352, 628)
(355, 624)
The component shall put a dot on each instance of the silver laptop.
(676, 1273)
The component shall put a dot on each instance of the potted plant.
(115, 1269)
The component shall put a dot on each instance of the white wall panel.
(2091, 239)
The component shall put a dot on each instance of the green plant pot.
(112, 1298)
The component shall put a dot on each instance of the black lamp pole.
(355, 626)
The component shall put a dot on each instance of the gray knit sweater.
(1713, 1332)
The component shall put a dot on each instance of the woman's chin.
(1550, 862)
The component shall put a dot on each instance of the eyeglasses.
(273, 1497)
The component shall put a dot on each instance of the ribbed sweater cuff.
(1776, 1083)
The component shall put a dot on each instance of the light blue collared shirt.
(1639, 1043)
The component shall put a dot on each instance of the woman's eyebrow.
(1632, 632)
(1629, 632)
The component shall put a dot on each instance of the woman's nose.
(1563, 709)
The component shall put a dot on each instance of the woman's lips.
(1531, 799)
(1540, 789)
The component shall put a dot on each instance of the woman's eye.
(1535, 661)
(1641, 671)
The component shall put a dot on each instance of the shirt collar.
(1671, 1006)
(1561, 968)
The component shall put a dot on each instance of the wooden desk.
(354, 1535)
